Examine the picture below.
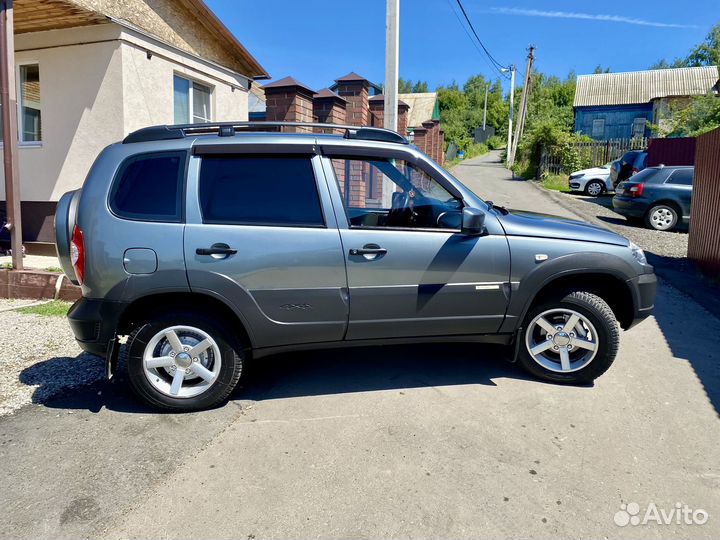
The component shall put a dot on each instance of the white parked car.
(593, 182)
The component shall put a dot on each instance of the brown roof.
(381, 97)
(288, 81)
(352, 76)
(326, 93)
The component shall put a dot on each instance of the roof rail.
(228, 129)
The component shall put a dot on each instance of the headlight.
(576, 176)
(638, 253)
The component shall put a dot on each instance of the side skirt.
(497, 339)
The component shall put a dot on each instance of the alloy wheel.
(182, 361)
(561, 340)
(662, 218)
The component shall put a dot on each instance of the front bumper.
(94, 323)
(644, 288)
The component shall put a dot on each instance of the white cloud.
(585, 16)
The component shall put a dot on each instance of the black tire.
(597, 183)
(231, 354)
(668, 224)
(597, 311)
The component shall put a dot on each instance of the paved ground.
(388, 442)
(34, 262)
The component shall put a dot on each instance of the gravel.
(598, 210)
(39, 359)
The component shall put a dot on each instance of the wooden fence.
(589, 154)
(704, 239)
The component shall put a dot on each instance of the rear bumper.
(94, 323)
(629, 207)
(644, 288)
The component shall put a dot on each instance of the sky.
(317, 41)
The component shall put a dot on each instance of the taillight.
(637, 190)
(77, 254)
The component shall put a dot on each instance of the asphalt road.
(421, 442)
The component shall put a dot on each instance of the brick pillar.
(287, 100)
(329, 108)
(420, 134)
(442, 147)
(437, 145)
(429, 126)
(377, 111)
(356, 91)
(403, 110)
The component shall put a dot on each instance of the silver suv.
(208, 245)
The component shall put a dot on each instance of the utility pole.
(392, 52)
(511, 114)
(523, 106)
(8, 101)
(487, 86)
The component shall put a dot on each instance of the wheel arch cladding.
(145, 307)
(602, 274)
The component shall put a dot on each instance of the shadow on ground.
(306, 373)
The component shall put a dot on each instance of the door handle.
(216, 249)
(369, 249)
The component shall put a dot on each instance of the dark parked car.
(659, 195)
(631, 163)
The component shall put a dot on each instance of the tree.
(707, 53)
(700, 115)
(420, 87)
(600, 69)
(405, 86)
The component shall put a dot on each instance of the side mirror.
(473, 221)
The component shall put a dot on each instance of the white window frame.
(191, 91)
(18, 90)
(18, 107)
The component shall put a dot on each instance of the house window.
(192, 101)
(598, 127)
(638, 127)
(29, 120)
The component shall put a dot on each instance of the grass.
(54, 269)
(556, 182)
(56, 308)
(475, 150)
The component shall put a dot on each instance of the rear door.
(680, 184)
(262, 236)
(411, 272)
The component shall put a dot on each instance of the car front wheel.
(573, 339)
(594, 188)
(183, 361)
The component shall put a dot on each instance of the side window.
(394, 193)
(638, 127)
(683, 177)
(148, 187)
(258, 190)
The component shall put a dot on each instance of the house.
(91, 71)
(620, 105)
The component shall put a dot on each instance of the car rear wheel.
(183, 361)
(661, 217)
(572, 339)
(594, 188)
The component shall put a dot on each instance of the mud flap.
(516, 345)
(111, 358)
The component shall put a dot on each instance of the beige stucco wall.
(96, 85)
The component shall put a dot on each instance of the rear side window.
(683, 177)
(259, 190)
(149, 187)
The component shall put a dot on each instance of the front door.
(410, 270)
(260, 235)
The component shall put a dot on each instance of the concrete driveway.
(422, 442)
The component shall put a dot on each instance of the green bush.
(495, 142)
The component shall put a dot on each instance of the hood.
(593, 170)
(522, 223)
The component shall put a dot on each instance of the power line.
(467, 33)
(498, 65)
